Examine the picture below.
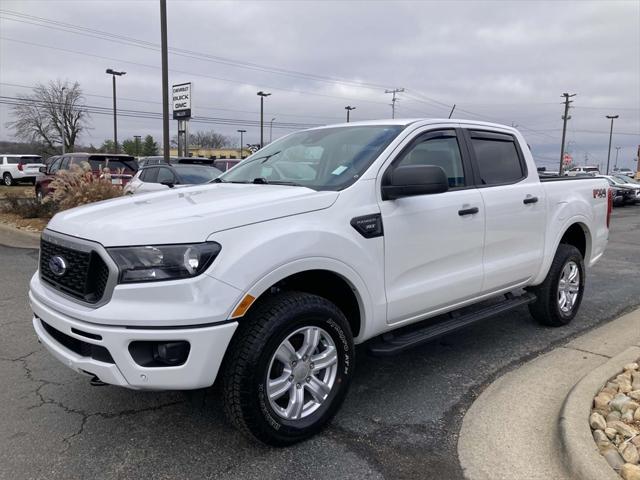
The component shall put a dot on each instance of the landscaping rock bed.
(615, 422)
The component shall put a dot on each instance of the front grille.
(83, 349)
(86, 275)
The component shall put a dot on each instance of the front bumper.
(208, 337)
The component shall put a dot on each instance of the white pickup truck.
(393, 232)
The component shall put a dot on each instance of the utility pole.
(137, 137)
(115, 74)
(241, 143)
(165, 80)
(262, 94)
(348, 108)
(271, 130)
(565, 117)
(394, 99)
(612, 118)
(615, 167)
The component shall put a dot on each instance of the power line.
(200, 107)
(99, 110)
(155, 67)
(122, 39)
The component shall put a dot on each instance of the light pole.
(612, 118)
(348, 108)
(262, 94)
(113, 74)
(242, 132)
(137, 137)
(271, 130)
(615, 167)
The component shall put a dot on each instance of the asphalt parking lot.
(400, 420)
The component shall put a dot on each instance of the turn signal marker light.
(243, 306)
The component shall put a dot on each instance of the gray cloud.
(497, 61)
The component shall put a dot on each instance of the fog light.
(171, 353)
(160, 354)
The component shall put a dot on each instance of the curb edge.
(583, 460)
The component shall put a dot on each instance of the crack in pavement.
(84, 415)
(586, 351)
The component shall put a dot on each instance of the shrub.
(27, 207)
(78, 186)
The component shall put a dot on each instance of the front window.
(323, 159)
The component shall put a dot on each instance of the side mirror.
(410, 180)
(42, 169)
(168, 184)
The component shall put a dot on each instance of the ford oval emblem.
(58, 265)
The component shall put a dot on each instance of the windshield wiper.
(264, 181)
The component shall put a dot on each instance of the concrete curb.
(14, 237)
(583, 460)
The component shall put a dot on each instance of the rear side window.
(497, 158)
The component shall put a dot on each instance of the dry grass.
(22, 190)
(78, 186)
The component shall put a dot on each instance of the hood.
(186, 215)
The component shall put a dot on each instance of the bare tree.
(209, 139)
(51, 115)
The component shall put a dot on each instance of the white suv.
(15, 168)
(584, 170)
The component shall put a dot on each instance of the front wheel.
(558, 298)
(288, 368)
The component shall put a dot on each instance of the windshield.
(196, 174)
(322, 159)
(113, 163)
(626, 179)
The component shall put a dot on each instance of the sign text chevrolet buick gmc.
(393, 232)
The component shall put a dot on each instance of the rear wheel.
(288, 368)
(559, 296)
(8, 179)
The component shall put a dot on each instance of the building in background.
(215, 153)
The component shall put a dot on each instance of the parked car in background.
(122, 168)
(162, 177)
(628, 182)
(625, 171)
(575, 171)
(225, 164)
(621, 195)
(159, 160)
(48, 161)
(19, 168)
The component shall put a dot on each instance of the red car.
(122, 168)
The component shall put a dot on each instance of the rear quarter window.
(497, 159)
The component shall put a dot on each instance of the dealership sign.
(181, 98)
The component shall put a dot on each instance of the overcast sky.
(504, 61)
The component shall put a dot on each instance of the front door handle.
(468, 211)
(529, 200)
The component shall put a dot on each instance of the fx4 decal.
(599, 193)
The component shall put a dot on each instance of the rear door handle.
(468, 211)
(529, 200)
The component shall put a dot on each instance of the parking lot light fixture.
(115, 74)
(348, 108)
(241, 132)
(612, 118)
(262, 94)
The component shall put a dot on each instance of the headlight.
(152, 263)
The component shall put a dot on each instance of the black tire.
(246, 368)
(546, 308)
(8, 179)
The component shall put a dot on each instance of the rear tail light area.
(609, 205)
(20, 166)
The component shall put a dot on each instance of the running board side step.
(393, 343)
